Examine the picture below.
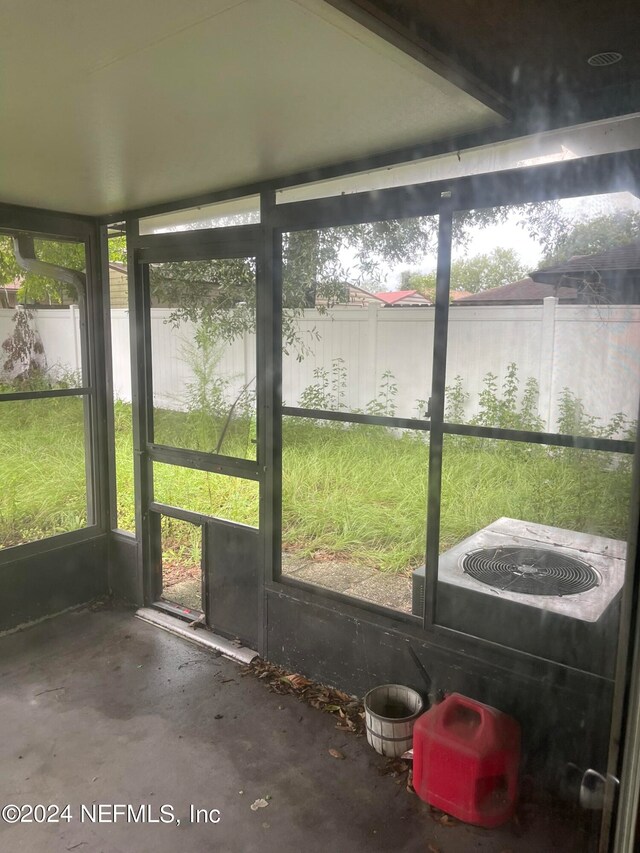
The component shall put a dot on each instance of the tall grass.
(356, 493)
(360, 493)
(42, 469)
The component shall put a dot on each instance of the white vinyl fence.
(592, 350)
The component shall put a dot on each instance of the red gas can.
(465, 760)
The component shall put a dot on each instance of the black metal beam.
(357, 418)
(98, 350)
(553, 439)
(436, 408)
(269, 348)
(215, 463)
(375, 206)
(590, 175)
(47, 224)
(192, 517)
(43, 395)
(103, 237)
(236, 241)
(149, 581)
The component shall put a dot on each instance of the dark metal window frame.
(51, 225)
(588, 176)
(142, 250)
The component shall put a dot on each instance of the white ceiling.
(113, 105)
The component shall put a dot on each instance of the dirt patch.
(177, 571)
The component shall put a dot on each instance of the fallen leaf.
(344, 696)
(410, 788)
(335, 753)
(313, 694)
(433, 849)
(259, 804)
(297, 681)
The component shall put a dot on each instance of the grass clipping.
(348, 710)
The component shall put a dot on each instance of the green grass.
(357, 493)
(360, 493)
(42, 469)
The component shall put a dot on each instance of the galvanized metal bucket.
(390, 713)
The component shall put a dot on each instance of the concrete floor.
(101, 708)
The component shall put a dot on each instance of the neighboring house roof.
(459, 294)
(523, 292)
(625, 259)
(9, 293)
(403, 297)
(355, 296)
(118, 285)
(611, 277)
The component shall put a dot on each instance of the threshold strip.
(200, 636)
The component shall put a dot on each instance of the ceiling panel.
(109, 106)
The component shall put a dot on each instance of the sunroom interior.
(215, 418)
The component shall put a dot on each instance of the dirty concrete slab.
(331, 574)
(368, 584)
(385, 589)
(188, 593)
(99, 708)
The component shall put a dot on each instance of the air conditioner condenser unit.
(543, 590)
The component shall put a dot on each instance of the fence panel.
(594, 351)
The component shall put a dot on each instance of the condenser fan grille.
(532, 571)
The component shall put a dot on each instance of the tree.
(35, 288)
(219, 296)
(589, 236)
(480, 272)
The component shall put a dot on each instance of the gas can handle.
(479, 709)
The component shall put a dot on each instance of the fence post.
(373, 318)
(249, 363)
(75, 326)
(547, 354)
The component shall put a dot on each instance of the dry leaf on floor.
(316, 695)
(344, 697)
(335, 753)
(298, 681)
(410, 788)
(433, 849)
